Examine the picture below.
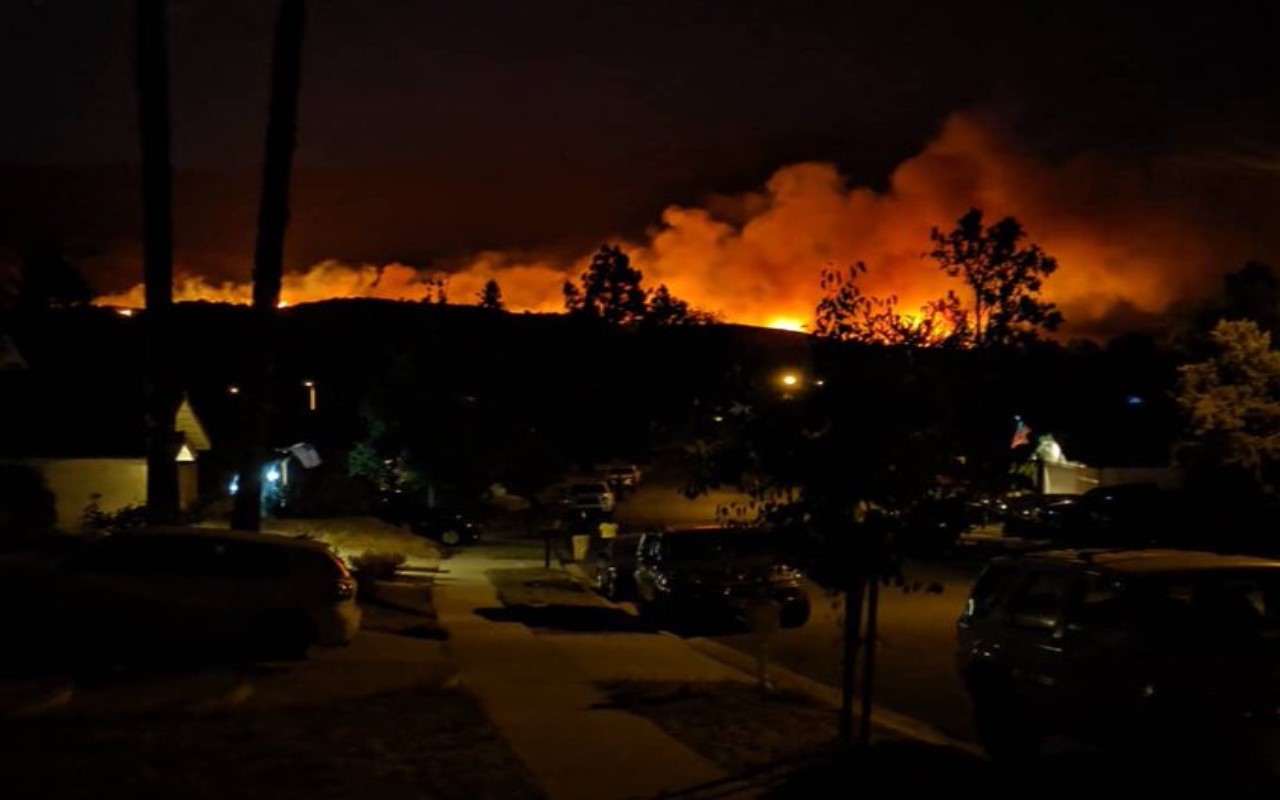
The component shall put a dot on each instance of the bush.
(95, 520)
(26, 504)
(375, 566)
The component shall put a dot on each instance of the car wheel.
(451, 538)
(1007, 729)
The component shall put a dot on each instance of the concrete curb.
(884, 718)
(782, 677)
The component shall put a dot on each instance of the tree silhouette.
(664, 308)
(491, 296)
(847, 314)
(611, 290)
(1005, 276)
(572, 297)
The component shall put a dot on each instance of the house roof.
(69, 416)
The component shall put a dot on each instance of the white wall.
(73, 481)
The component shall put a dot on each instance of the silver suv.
(1172, 650)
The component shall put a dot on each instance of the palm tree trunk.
(268, 264)
(161, 388)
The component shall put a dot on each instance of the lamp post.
(311, 394)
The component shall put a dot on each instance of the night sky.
(432, 130)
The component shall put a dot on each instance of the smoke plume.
(1132, 236)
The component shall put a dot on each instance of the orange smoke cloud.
(1121, 236)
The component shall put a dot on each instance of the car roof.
(223, 534)
(1155, 560)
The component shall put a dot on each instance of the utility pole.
(161, 390)
(268, 262)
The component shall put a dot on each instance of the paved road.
(916, 662)
(916, 659)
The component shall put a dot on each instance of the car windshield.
(1225, 606)
(587, 488)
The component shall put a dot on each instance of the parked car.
(1178, 651)
(625, 476)
(445, 525)
(220, 590)
(611, 566)
(717, 573)
(590, 496)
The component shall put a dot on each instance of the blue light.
(273, 475)
(1133, 400)
(234, 486)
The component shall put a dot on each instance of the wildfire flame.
(1123, 240)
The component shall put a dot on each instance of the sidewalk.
(540, 690)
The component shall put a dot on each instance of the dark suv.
(1177, 651)
(717, 574)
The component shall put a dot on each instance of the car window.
(1225, 607)
(155, 556)
(1038, 602)
(249, 560)
(316, 564)
(989, 588)
(1100, 605)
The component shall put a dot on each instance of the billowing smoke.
(1131, 236)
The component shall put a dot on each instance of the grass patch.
(736, 725)
(404, 744)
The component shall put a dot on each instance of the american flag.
(1021, 434)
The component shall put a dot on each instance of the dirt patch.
(736, 725)
(535, 586)
(405, 744)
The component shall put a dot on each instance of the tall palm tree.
(268, 263)
(162, 393)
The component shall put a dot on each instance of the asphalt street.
(916, 666)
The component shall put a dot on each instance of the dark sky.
(435, 128)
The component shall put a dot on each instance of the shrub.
(374, 566)
(95, 520)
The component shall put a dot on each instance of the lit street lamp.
(311, 394)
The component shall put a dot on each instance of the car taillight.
(344, 588)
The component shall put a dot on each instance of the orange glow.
(755, 257)
(786, 324)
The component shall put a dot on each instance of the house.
(89, 442)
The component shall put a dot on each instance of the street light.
(311, 394)
(790, 379)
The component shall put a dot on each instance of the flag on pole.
(1021, 434)
(305, 453)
